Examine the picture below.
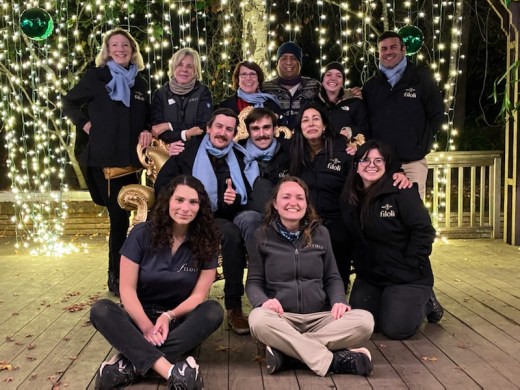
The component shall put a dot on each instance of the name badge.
(171, 101)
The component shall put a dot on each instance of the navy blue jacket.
(394, 246)
(407, 116)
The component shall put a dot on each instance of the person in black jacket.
(227, 174)
(405, 107)
(298, 297)
(248, 78)
(272, 157)
(182, 106)
(391, 236)
(347, 113)
(111, 104)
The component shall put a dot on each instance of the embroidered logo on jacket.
(410, 93)
(139, 96)
(386, 211)
(334, 164)
(345, 108)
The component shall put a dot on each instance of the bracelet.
(171, 316)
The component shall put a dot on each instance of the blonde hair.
(179, 55)
(103, 56)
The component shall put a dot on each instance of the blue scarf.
(292, 237)
(257, 99)
(260, 154)
(203, 170)
(122, 80)
(394, 75)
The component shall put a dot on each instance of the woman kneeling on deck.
(167, 268)
(297, 293)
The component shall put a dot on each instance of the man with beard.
(272, 156)
(220, 164)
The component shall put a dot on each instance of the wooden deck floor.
(47, 342)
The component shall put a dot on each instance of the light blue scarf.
(122, 80)
(260, 154)
(203, 170)
(394, 75)
(257, 99)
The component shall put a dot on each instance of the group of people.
(301, 214)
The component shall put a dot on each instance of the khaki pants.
(417, 172)
(310, 338)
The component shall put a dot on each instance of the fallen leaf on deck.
(8, 379)
(463, 345)
(31, 346)
(15, 314)
(33, 376)
(259, 358)
(75, 307)
(59, 372)
(73, 357)
(429, 358)
(9, 339)
(5, 366)
(221, 348)
(31, 358)
(383, 345)
(66, 338)
(29, 335)
(18, 343)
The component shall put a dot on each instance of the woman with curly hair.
(300, 311)
(167, 267)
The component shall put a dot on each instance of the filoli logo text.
(334, 164)
(386, 211)
(410, 93)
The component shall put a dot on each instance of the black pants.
(116, 325)
(233, 263)
(340, 246)
(398, 310)
(119, 218)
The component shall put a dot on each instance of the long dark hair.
(310, 218)
(300, 150)
(203, 234)
(354, 193)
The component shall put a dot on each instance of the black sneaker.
(185, 376)
(436, 311)
(117, 372)
(354, 361)
(274, 359)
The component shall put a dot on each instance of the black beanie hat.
(334, 65)
(291, 48)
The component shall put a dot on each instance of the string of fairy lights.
(34, 74)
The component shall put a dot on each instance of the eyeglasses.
(378, 162)
(252, 75)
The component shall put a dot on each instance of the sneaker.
(274, 359)
(436, 311)
(185, 375)
(354, 361)
(117, 372)
(238, 321)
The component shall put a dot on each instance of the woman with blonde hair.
(183, 105)
(111, 105)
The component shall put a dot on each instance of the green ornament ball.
(36, 23)
(413, 39)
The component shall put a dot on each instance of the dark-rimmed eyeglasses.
(378, 162)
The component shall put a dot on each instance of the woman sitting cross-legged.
(167, 267)
(297, 293)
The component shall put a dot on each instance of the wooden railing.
(464, 193)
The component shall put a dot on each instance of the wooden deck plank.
(476, 344)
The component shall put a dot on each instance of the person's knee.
(398, 331)
(100, 310)
(214, 312)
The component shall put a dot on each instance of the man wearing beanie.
(405, 107)
(347, 112)
(292, 90)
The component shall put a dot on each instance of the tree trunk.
(254, 32)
